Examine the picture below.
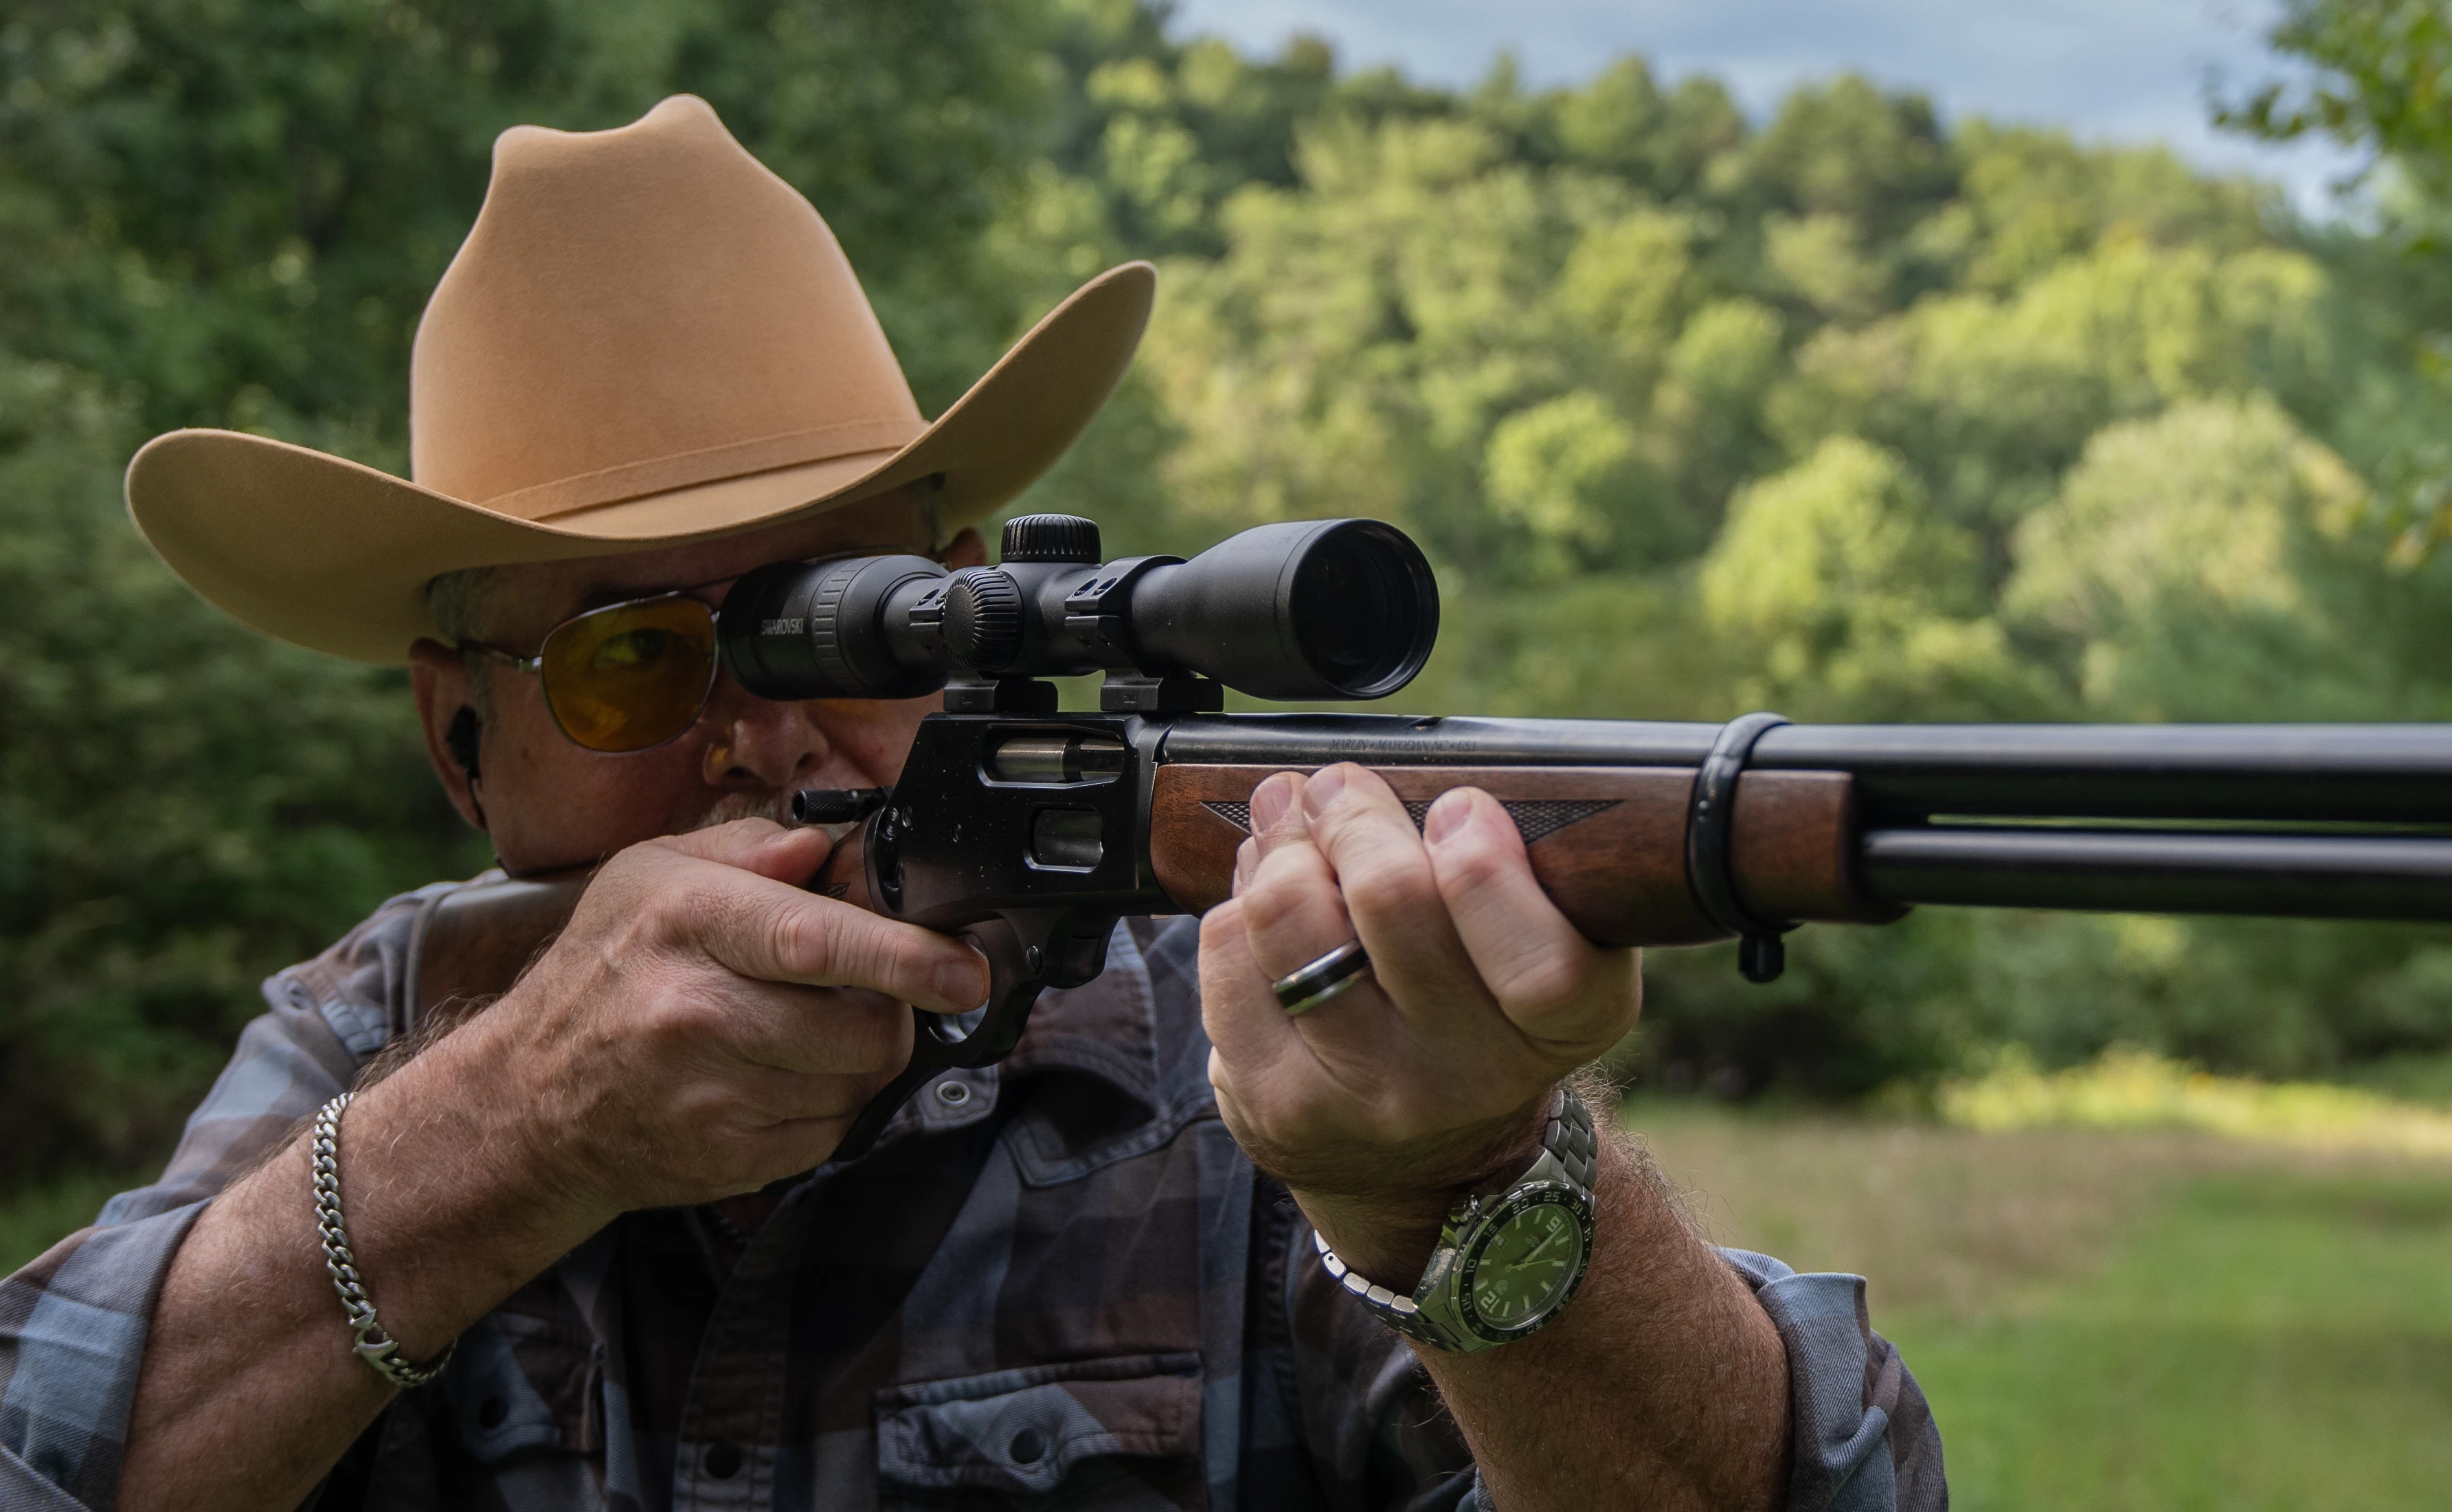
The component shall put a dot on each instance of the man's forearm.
(1664, 1385)
(249, 1390)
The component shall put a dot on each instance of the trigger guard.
(1000, 945)
(1020, 969)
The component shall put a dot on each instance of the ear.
(439, 679)
(964, 550)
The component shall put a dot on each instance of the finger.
(1293, 913)
(757, 845)
(1551, 982)
(1391, 893)
(764, 1095)
(1249, 1029)
(776, 933)
(781, 1149)
(1277, 818)
(815, 1031)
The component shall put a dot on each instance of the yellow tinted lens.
(632, 676)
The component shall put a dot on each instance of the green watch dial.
(1525, 1263)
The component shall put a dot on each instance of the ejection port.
(1057, 758)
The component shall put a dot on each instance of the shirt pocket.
(1097, 1434)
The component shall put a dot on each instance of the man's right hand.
(702, 1027)
(705, 1025)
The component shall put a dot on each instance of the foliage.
(1854, 414)
(2376, 75)
(238, 206)
(2385, 82)
(182, 806)
(2129, 1089)
(1853, 411)
(230, 212)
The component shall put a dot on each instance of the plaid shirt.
(1053, 1282)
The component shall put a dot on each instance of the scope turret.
(1303, 610)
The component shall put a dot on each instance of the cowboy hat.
(647, 339)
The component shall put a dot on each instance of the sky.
(2124, 70)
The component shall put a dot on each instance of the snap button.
(1028, 1447)
(723, 1460)
(953, 1095)
(491, 1412)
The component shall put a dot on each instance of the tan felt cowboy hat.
(646, 338)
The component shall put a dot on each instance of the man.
(589, 1239)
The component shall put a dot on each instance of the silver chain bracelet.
(376, 1347)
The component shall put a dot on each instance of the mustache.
(775, 806)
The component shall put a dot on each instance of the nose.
(760, 745)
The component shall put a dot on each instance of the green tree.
(2214, 562)
(1858, 413)
(183, 806)
(2377, 76)
(1854, 599)
(230, 212)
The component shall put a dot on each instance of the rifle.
(1034, 829)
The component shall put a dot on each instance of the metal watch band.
(1569, 1157)
(376, 1347)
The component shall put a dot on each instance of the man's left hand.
(1429, 1074)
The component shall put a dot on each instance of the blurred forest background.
(1848, 411)
(1851, 412)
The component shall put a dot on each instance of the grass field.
(2104, 1320)
(2122, 1320)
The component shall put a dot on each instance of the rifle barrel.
(2393, 773)
(2245, 773)
(2273, 876)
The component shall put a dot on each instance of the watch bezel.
(1477, 1247)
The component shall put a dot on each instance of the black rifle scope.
(1304, 610)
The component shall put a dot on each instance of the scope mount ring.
(1094, 611)
(1710, 814)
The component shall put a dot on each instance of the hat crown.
(637, 310)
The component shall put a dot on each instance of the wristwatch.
(1507, 1262)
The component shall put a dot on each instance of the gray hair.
(457, 602)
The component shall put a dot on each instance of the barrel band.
(1709, 814)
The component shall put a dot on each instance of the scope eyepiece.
(802, 630)
(1302, 610)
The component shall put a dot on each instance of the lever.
(1028, 951)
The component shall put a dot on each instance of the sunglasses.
(628, 676)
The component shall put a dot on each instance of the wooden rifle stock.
(1608, 844)
(471, 944)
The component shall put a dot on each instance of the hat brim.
(336, 556)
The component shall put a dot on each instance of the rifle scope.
(1303, 610)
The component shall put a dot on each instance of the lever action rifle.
(1033, 829)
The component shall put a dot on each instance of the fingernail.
(1269, 803)
(1322, 788)
(964, 984)
(1447, 816)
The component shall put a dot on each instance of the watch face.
(1526, 1260)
